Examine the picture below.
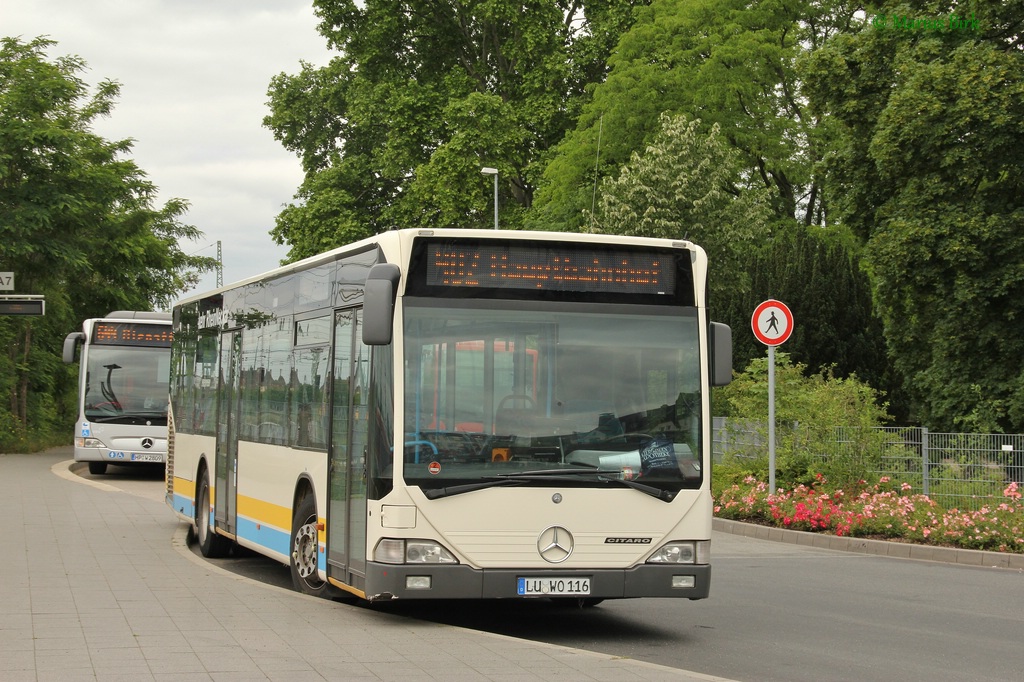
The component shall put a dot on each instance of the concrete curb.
(899, 550)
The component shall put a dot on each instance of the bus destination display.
(544, 267)
(132, 334)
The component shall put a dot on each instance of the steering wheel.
(527, 400)
(110, 404)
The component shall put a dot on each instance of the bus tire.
(97, 468)
(210, 544)
(305, 550)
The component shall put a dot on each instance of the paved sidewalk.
(97, 584)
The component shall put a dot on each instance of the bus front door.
(346, 518)
(227, 429)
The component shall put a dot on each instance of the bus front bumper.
(119, 456)
(385, 581)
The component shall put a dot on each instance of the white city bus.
(123, 377)
(456, 414)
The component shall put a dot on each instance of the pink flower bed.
(884, 510)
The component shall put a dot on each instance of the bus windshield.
(126, 382)
(543, 394)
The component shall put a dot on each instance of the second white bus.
(124, 371)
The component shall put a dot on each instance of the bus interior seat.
(513, 420)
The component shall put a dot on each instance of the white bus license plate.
(146, 457)
(541, 586)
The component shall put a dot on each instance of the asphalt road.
(776, 612)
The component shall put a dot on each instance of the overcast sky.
(194, 77)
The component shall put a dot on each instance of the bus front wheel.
(306, 550)
(97, 468)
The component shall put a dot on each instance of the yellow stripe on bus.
(261, 511)
(270, 514)
(185, 488)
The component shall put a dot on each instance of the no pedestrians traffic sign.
(772, 322)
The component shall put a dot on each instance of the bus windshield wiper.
(666, 495)
(515, 478)
(435, 493)
(127, 418)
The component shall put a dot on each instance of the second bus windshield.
(499, 391)
(126, 381)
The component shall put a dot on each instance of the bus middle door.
(227, 430)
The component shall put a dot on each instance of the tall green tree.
(732, 65)
(424, 93)
(820, 278)
(729, 63)
(929, 166)
(690, 183)
(78, 224)
(687, 185)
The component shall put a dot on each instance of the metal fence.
(957, 470)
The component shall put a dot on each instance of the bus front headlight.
(398, 551)
(688, 552)
(89, 443)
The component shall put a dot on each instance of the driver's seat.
(514, 420)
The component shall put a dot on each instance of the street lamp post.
(494, 172)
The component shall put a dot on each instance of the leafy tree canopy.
(75, 213)
(78, 225)
(930, 167)
(394, 131)
(687, 185)
(820, 278)
(728, 63)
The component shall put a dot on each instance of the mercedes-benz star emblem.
(555, 544)
(147, 443)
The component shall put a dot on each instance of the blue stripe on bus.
(183, 505)
(274, 539)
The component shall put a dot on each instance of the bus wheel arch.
(210, 544)
(304, 545)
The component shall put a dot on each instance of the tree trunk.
(24, 372)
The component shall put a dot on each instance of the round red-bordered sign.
(772, 322)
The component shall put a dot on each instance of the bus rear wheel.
(306, 550)
(210, 544)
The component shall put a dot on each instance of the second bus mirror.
(379, 303)
(71, 342)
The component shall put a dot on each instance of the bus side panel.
(265, 503)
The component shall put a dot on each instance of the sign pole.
(772, 324)
(771, 420)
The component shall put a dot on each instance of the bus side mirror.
(721, 354)
(379, 303)
(71, 342)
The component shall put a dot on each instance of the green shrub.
(808, 411)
